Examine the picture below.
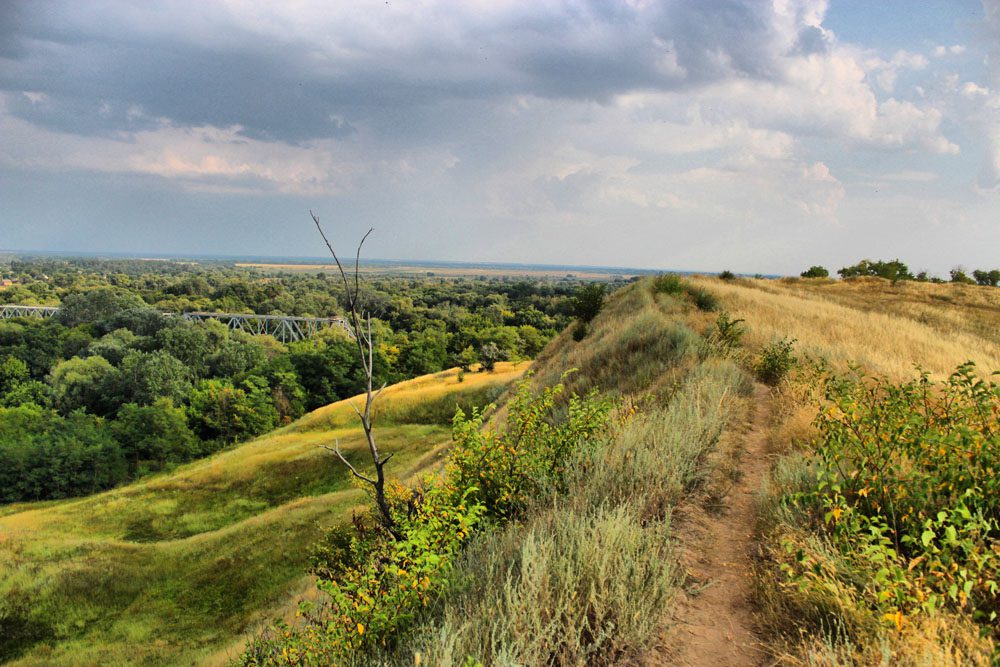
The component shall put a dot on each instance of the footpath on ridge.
(712, 621)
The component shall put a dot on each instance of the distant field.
(174, 569)
(447, 271)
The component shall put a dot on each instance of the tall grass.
(586, 579)
(875, 337)
(638, 342)
(888, 329)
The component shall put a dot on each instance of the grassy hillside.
(173, 569)
(870, 559)
(887, 328)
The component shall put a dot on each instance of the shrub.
(906, 490)
(958, 275)
(379, 584)
(727, 335)
(727, 275)
(505, 469)
(703, 299)
(775, 361)
(815, 272)
(894, 270)
(669, 283)
(588, 301)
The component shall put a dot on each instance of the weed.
(775, 361)
(727, 335)
(669, 283)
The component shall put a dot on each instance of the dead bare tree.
(362, 324)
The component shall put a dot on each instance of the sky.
(746, 135)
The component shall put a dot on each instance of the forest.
(111, 388)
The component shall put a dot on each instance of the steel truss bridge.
(285, 328)
(36, 312)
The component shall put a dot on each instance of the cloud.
(953, 50)
(885, 72)
(208, 158)
(989, 178)
(683, 119)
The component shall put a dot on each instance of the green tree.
(13, 372)
(466, 358)
(958, 275)
(95, 306)
(893, 270)
(425, 351)
(588, 301)
(489, 355)
(815, 272)
(83, 383)
(220, 411)
(988, 278)
(114, 346)
(152, 435)
(146, 376)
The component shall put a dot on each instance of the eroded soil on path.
(712, 621)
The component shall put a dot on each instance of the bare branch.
(357, 259)
(354, 471)
(366, 355)
(347, 285)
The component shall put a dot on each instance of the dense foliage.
(896, 270)
(906, 488)
(892, 270)
(111, 388)
(815, 272)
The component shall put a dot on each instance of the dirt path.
(712, 621)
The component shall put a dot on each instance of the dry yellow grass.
(887, 330)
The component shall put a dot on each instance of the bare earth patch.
(712, 622)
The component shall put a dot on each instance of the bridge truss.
(36, 312)
(285, 328)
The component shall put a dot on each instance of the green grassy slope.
(175, 568)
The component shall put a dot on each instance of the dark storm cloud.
(114, 66)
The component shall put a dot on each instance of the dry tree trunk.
(362, 324)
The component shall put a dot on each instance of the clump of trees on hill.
(896, 270)
(815, 272)
(111, 389)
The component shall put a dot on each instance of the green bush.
(727, 335)
(588, 301)
(905, 487)
(506, 468)
(727, 275)
(815, 272)
(775, 361)
(702, 299)
(669, 283)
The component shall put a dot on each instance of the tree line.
(895, 270)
